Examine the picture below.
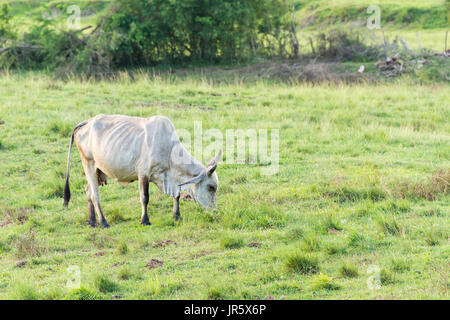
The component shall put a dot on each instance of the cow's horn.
(212, 166)
(194, 180)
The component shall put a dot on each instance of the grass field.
(361, 193)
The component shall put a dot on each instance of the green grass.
(359, 181)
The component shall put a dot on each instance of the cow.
(127, 149)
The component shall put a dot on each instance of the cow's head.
(203, 188)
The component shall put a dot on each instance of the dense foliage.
(201, 30)
(141, 33)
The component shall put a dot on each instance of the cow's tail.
(67, 186)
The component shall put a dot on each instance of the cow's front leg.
(176, 208)
(143, 190)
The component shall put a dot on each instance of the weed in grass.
(431, 212)
(24, 291)
(323, 282)
(116, 216)
(387, 277)
(239, 179)
(394, 206)
(101, 240)
(333, 248)
(350, 194)
(330, 223)
(122, 248)
(27, 245)
(433, 237)
(302, 263)
(389, 225)
(124, 273)
(81, 294)
(348, 270)
(218, 292)
(231, 241)
(400, 265)
(61, 128)
(356, 239)
(53, 294)
(52, 186)
(152, 287)
(103, 284)
(310, 243)
(295, 233)
(214, 293)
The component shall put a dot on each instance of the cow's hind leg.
(176, 208)
(91, 176)
(92, 219)
(143, 191)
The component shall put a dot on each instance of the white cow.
(127, 149)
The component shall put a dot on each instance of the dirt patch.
(118, 264)
(334, 231)
(154, 263)
(164, 243)
(438, 184)
(100, 253)
(18, 216)
(20, 264)
(254, 244)
(172, 105)
(27, 245)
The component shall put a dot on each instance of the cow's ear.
(194, 180)
(212, 166)
(211, 169)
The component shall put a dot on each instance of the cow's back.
(125, 147)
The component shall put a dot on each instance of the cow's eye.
(211, 188)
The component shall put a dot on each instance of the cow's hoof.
(177, 218)
(146, 223)
(105, 224)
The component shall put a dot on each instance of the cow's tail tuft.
(67, 186)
